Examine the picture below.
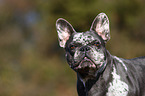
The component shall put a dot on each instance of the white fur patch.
(117, 87)
(121, 62)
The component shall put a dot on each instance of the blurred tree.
(31, 61)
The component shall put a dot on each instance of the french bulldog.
(98, 72)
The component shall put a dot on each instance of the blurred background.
(31, 61)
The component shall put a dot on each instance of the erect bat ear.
(64, 30)
(101, 26)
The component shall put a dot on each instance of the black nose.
(84, 48)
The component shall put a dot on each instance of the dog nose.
(84, 48)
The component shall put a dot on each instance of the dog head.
(85, 51)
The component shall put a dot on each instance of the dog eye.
(97, 44)
(72, 47)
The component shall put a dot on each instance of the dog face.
(85, 51)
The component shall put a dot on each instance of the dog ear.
(64, 30)
(101, 26)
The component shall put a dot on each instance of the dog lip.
(85, 59)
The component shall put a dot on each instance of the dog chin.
(86, 71)
(86, 64)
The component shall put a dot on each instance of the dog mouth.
(87, 67)
(86, 63)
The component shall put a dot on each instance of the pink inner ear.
(66, 34)
(102, 35)
(99, 29)
(101, 26)
(64, 30)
